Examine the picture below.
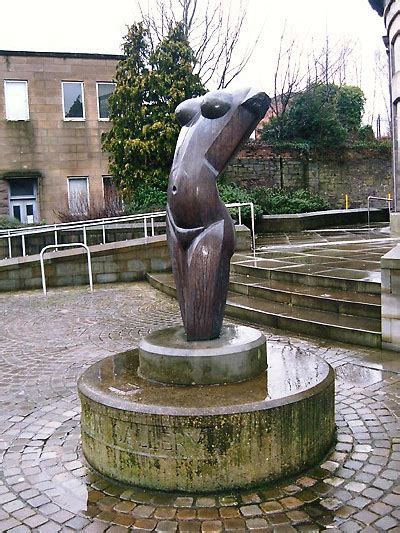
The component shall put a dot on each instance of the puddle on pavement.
(359, 375)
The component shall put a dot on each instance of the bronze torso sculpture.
(201, 235)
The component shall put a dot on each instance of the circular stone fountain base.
(238, 354)
(210, 437)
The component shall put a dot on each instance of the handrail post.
(152, 226)
(42, 270)
(253, 229)
(69, 245)
(84, 235)
(240, 215)
(104, 232)
(89, 268)
(9, 244)
(23, 245)
(55, 236)
(369, 198)
(145, 227)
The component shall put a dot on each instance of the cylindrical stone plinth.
(166, 356)
(207, 438)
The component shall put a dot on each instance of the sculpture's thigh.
(179, 266)
(207, 283)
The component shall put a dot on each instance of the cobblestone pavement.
(45, 485)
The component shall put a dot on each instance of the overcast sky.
(99, 26)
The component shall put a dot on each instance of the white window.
(73, 100)
(78, 195)
(16, 96)
(104, 90)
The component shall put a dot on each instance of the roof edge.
(77, 55)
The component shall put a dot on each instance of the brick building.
(53, 110)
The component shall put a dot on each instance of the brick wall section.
(356, 173)
(47, 143)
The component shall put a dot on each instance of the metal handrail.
(78, 224)
(70, 245)
(253, 223)
(388, 200)
(84, 225)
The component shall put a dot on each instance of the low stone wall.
(358, 173)
(319, 219)
(111, 262)
(390, 272)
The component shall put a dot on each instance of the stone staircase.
(340, 309)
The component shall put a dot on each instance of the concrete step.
(308, 277)
(324, 324)
(317, 298)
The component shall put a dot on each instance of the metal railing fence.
(70, 245)
(388, 200)
(144, 221)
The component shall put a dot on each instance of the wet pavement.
(351, 253)
(45, 485)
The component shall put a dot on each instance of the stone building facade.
(390, 10)
(53, 111)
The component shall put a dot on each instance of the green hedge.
(279, 201)
(10, 223)
(267, 201)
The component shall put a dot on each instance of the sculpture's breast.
(192, 196)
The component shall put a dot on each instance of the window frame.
(73, 119)
(98, 101)
(71, 178)
(103, 177)
(6, 82)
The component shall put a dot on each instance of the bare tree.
(297, 70)
(331, 62)
(288, 78)
(381, 90)
(213, 32)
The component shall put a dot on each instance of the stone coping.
(391, 260)
(98, 249)
(295, 222)
(113, 383)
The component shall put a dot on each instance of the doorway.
(23, 200)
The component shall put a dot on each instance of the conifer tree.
(149, 86)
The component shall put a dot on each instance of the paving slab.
(45, 484)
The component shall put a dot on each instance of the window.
(73, 100)
(22, 187)
(16, 96)
(78, 195)
(104, 90)
(112, 198)
(396, 55)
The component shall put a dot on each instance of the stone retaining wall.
(357, 173)
(111, 262)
